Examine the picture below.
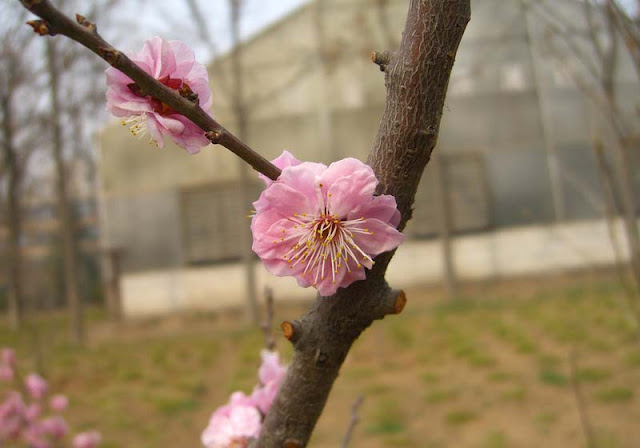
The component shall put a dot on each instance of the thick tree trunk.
(65, 220)
(417, 76)
(14, 215)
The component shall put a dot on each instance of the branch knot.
(88, 24)
(381, 58)
(111, 55)
(40, 27)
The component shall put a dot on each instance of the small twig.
(85, 33)
(353, 422)
(267, 323)
(291, 330)
(393, 303)
(587, 428)
(381, 58)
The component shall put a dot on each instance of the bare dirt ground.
(490, 369)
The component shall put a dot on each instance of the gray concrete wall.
(492, 108)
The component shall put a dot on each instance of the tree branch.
(417, 77)
(85, 32)
(353, 422)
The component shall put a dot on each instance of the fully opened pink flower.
(173, 64)
(233, 429)
(323, 225)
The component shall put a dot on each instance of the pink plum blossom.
(233, 429)
(8, 357)
(55, 427)
(36, 437)
(236, 399)
(271, 375)
(323, 225)
(89, 439)
(59, 402)
(32, 412)
(270, 369)
(173, 64)
(6, 373)
(36, 385)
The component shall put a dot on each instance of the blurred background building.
(515, 149)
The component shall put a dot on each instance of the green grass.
(495, 439)
(593, 374)
(443, 373)
(460, 417)
(386, 419)
(615, 395)
(553, 377)
(438, 395)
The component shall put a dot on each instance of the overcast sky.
(170, 19)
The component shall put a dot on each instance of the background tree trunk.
(15, 296)
(65, 219)
(242, 119)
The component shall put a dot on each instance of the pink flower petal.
(381, 207)
(384, 238)
(284, 160)
(349, 192)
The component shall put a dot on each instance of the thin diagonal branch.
(353, 421)
(84, 32)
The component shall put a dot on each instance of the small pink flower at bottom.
(173, 64)
(8, 357)
(36, 385)
(271, 375)
(32, 412)
(55, 427)
(89, 439)
(323, 225)
(59, 402)
(270, 369)
(6, 373)
(234, 430)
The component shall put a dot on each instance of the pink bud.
(8, 357)
(235, 429)
(36, 385)
(59, 402)
(89, 439)
(32, 412)
(56, 427)
(6, 373)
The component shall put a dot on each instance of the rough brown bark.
(417, 76)
(65, 220)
